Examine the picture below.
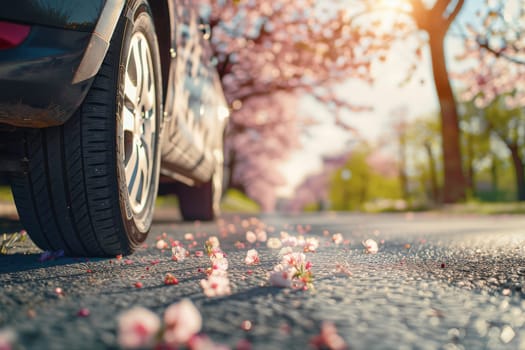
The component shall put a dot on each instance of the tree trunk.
(494, 175)
(471, 180)
(402, 168)
(455, 184)
(519, 171)
(433, 176)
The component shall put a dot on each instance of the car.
(98, 101)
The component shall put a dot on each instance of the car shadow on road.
(12, 263)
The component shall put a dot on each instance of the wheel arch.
(161, 13)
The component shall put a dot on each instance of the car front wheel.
(91, 184)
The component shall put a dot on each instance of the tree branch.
(454, 13)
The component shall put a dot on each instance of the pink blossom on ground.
(240, 245)
(7, 339)
(217, 284)
(252, 257)
(281, 276)
(328, 338)
(370, 246)
(311, 244)
(217, 254)
(182, 321)
(220, 264)
(337, 238)
(214, 242)
(289, 241)
(262, 236)
(294, 259)
(201, 342)
(274, 243)
(137, 328)
(179, 253)
(251, 237)
(285, 251)
(161, 244)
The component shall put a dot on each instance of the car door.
(186, 132)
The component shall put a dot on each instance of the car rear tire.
(91, 184)
(201, 202)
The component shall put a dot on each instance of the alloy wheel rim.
(139, 122)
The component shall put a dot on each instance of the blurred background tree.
(271, 53)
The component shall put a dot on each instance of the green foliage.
(235, 201)
(356, 184)
(5, 194)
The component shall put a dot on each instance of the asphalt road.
(437, 282)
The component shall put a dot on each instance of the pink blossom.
(252, 257)
(370, 246)
(274, 243)
(337, 238)
(217, 254)
(251, 237)
(328, 338)
(214, 242)
(217, 284)
(183, 321)
(137, 328)
(189, 236)
(201, 342)
(161, 244)
(294, 259)
(285, 251)
(179, 253)
(289, 241)
(281, 276)
(7, 339)
(262, 236)
(311, 244)
(220, 264)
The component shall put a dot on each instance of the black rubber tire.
(73, 196)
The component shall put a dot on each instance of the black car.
(97, 99)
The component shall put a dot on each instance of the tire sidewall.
(137, 224)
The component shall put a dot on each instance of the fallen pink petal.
(137, 328)
(251, 237)
(252, 257)
(328, 338)
(182, 321)
(370, 246)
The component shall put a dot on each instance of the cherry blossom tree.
(495, 78)
(267, 54)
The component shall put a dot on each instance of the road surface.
(437, 282)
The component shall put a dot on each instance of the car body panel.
(34, 88)
(67, 14)
(195, 111)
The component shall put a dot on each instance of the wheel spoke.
(128, 120)
(138, 65)
(131, 167)
(130, 90)
(139, 122)
(144, 165)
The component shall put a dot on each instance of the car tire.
(90, 185)
(201, 202)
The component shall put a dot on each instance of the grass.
(236, 202)
(5, 194)
(485, 208)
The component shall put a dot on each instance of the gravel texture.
(437, 282)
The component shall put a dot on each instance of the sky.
(385, 96)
